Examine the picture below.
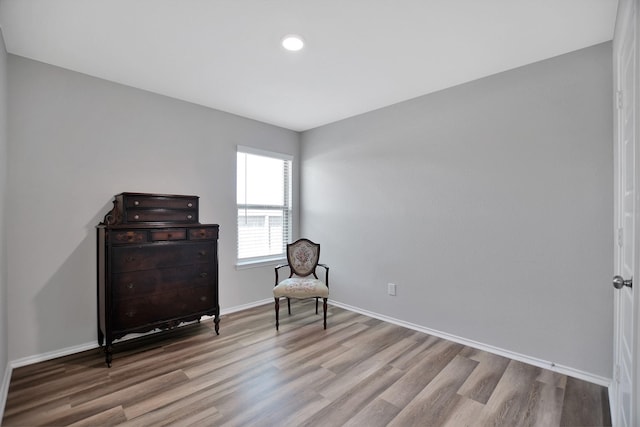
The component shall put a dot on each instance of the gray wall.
(74, 142)
(488, 204)
(3, 188)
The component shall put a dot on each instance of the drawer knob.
(168, 235)
(203, 233)
(136, 203)
(189, 204)
(131, 313)
(130, 259)
(189, 216)
(202, 253)
(203, 298)
(203, 275)
(130, 286)
(136, 217)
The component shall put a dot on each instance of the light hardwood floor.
(359, 372)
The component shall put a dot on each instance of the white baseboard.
(24, 361)
(237, 308)
(29, 360)
(612, 404)
(4, 389)
(565, 370)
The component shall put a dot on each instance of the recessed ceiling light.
(292, 42)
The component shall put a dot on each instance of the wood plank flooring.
(358, 372)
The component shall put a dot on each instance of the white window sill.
(243, 265)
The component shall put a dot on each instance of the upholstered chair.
(303, 282)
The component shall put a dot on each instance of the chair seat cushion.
(301, 287)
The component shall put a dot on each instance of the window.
(264, 205)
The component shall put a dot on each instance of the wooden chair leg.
(289, 305)
(277, 312)
(324, 308)
(316, 305)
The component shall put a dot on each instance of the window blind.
(264, 205)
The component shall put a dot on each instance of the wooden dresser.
(157, 266)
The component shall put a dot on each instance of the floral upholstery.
(301, 287)
(303, 257)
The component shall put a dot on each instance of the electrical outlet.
(391, 289)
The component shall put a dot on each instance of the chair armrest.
(326, 273)
(278, 267)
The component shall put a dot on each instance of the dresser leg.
(107, 355)
(216, 324)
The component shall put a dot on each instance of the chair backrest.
(303, 256)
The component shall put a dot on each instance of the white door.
(624, 403)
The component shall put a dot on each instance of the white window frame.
(287, 210)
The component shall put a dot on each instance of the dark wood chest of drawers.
(157, 266)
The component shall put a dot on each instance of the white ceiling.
(360, 55)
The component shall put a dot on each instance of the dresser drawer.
(162, 306)
(129, 236)
(160, 255)
(209, 233)
(137, 283)
(161, 215)
(132, 200)
(170, 234)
